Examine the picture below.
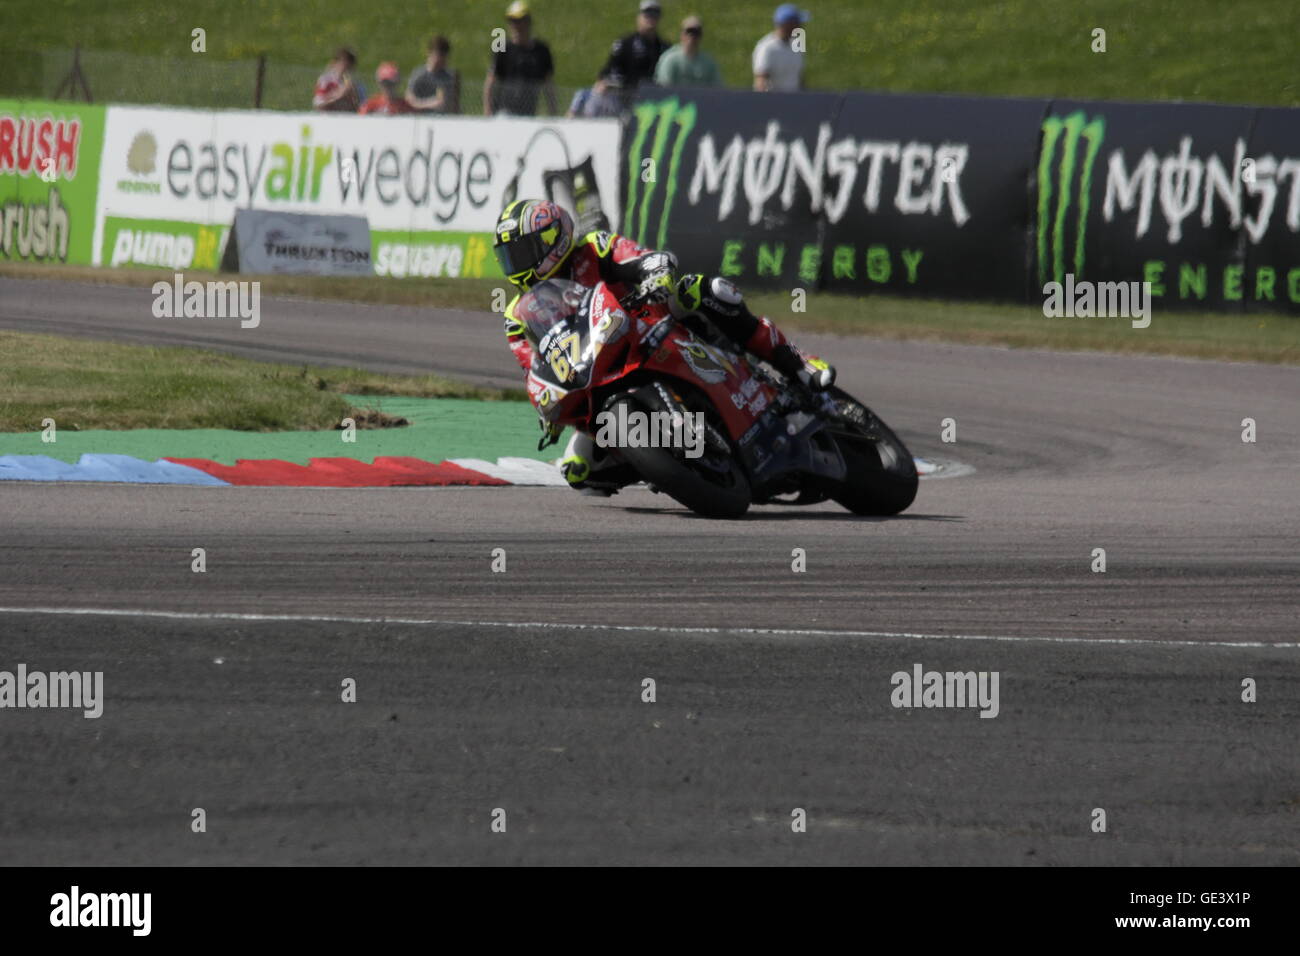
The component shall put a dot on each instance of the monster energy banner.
(1271, 217)
(927, 195)
(968, 197)
(729, 186)
(1174, 195)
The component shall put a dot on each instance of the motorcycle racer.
(534, 241)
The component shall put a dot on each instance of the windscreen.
(546, 304)
(553, 313)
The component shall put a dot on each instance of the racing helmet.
(533, 238)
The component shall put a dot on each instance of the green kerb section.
(441, 428)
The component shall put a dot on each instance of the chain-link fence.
(198, 81)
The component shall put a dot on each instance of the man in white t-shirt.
(778, 65)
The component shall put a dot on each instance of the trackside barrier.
(965, 197)
(937, 196)
(159, 188)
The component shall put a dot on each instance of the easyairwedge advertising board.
(430, 187)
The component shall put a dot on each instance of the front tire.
(710, 494)
(882, 478)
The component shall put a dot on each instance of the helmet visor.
(520, 257)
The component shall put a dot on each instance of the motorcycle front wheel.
(882, 478)
(712, 492)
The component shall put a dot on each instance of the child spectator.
(603, 98)
(433, 87)
(387, 102)
(337, 90)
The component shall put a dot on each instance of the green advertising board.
(49, 176)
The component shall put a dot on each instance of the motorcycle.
(765, 439)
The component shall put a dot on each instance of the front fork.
(660, 396)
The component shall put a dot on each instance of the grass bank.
(83, 384)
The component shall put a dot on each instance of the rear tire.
(721, 496)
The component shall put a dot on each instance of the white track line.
(551, 625)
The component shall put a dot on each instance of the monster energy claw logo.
(1054, 205)
(644, 174)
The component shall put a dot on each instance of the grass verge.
(83, 384)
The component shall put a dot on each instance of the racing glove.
(550, 433)
(656, 282)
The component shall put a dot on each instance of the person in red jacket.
(387, 102)
(534, 241)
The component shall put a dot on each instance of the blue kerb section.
(123, 468)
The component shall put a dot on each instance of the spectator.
(778, 66)
(432, 87)
(634, 56)
(686, 64)
(604, 98)
(337, 90)
(521, 71)
(387, 102)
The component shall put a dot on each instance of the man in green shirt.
(685, 64)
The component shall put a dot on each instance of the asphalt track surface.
(479, 690)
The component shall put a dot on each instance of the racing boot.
(771, 345)
(589, 469)
(722, 303)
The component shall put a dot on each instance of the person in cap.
(635, 56)
(778, 59)
(686, 64)
(521, 72)
(387, 102)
